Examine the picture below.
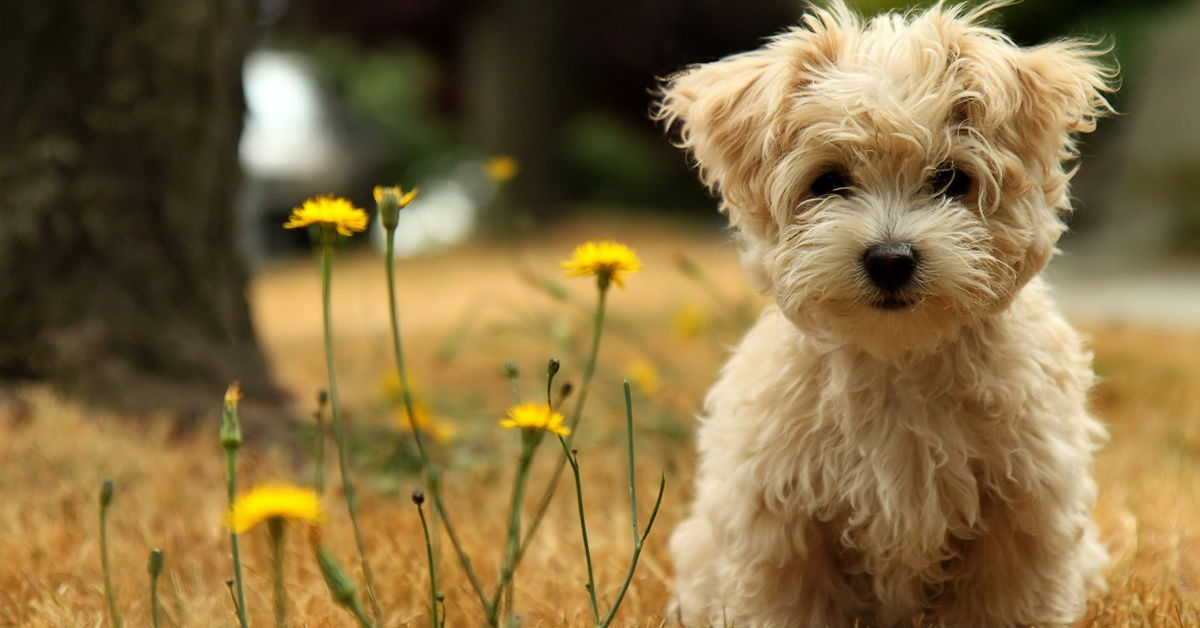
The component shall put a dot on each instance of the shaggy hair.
(889, 455)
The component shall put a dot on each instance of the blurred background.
(150, 151)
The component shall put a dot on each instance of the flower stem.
(275, 526)
(155, 568)
(637, 552)
(588, 371)
(529, 443)
(231, 491)
(319, 444)
(573, 458)
(629, 439)
(432, 481)
(106, 494)
(339, 431)
(433, 595)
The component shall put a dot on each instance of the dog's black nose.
(890, 265)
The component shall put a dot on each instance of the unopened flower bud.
(418, 497)
(565, 391)
(510, 370)
(341, 587)
(553, 367)
(155, 565)
(231, 429)
(390, 200)
(106, 493)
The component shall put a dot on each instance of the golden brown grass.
(463, 315)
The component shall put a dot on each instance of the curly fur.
(928, 463)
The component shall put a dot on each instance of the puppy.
(902, 437)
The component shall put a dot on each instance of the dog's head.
(892, 179)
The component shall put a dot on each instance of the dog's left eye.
(950, 180)
(830, 182)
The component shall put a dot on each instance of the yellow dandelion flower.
(270, 502)
(501, 168)
(690, 322)
(535, 416)
(329, 212)
(441, 431)
(644, 377)
(608, 260)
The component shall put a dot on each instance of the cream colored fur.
(928, 463)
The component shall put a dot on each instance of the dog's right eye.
(830, 182)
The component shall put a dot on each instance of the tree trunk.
(121, 282)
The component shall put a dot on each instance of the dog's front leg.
(741, 564)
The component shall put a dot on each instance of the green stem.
(433, 611)
(432, 481)
(105, 500)
(637, 552)
(588, 371)
(275, 525)
(528, 446)
(587, 549)
(154, 601)
(629, 439)
(155, 568)
(339, 431)
(231, 491)
(360, 615)
(319, 448)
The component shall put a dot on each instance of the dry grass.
(171, 491)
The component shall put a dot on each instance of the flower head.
(535, 416)
(231, 429)
(390, 200)
(271, 502)
(608, 260)
(331, 213)
(501, 168)
(233, 393)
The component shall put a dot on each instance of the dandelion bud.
(341, 587)
(510, 370)
(155, 565)
(231, 429)
(322, 397)
(565, 391)
(389, 201)
(418, 497)
(106, 493)
(553, 367)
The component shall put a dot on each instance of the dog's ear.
(1063, 87)
(727, 112)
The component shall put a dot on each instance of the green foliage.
(391, 88)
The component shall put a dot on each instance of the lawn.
(464, 314)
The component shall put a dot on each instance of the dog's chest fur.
(899, 465)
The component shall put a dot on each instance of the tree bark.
(119, 277)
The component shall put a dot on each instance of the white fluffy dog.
(902, 437)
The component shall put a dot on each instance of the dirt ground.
(464, 313)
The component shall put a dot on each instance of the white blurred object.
(287, 134)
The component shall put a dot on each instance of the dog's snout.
(890, 265)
